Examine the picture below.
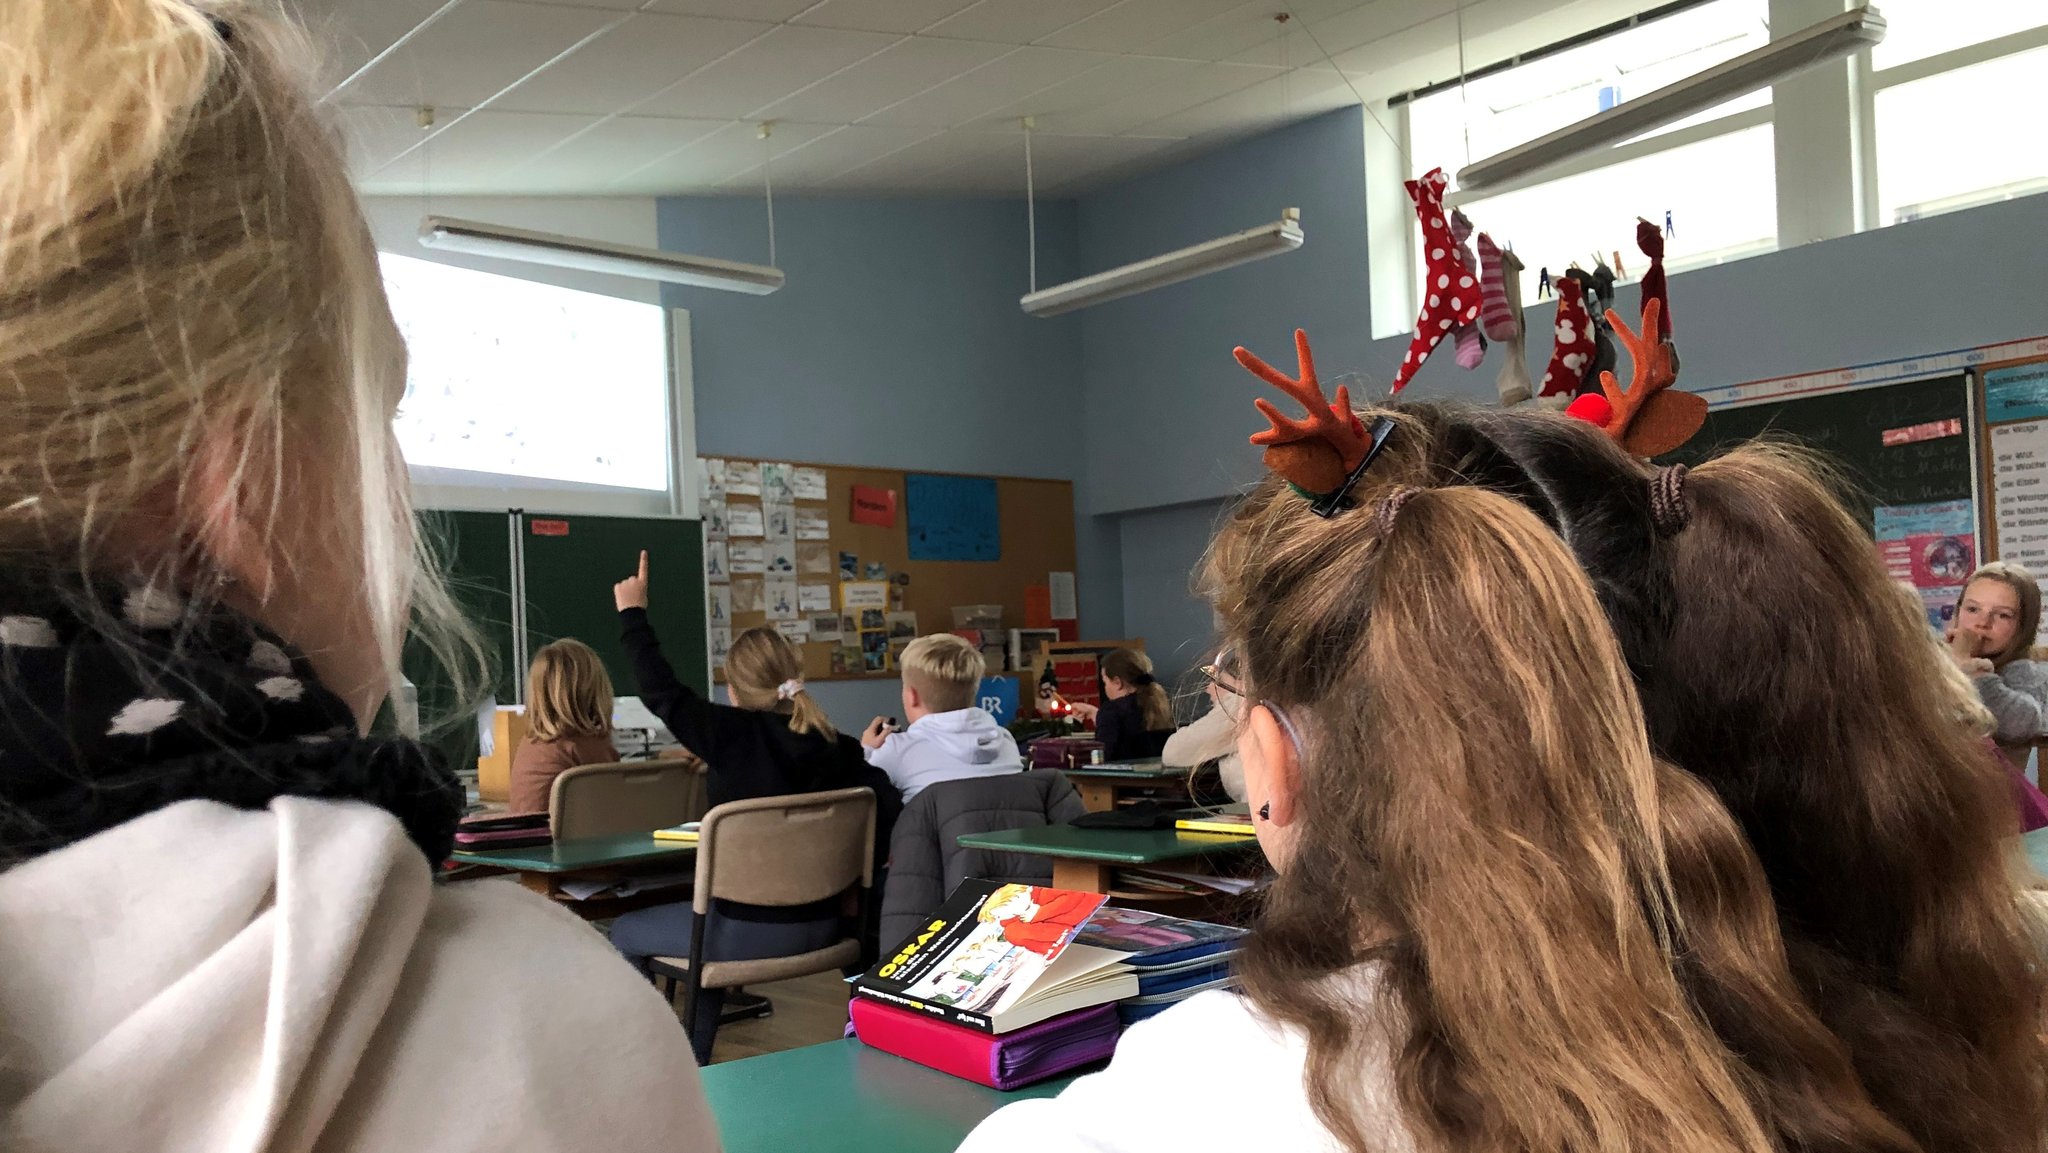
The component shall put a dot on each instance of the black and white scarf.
(115, 702)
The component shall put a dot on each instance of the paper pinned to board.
(808, 483)
(1065, 606)
(813, 524)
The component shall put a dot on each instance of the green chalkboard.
(1850, 427)
(571, 564)
(475, 549)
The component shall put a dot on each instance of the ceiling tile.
(909, 69)
(1063, 161)
(1267, 104)
(775, 66)
(374, 134)
(489, 141)
(630, 63)
(1133, 23)
(828, 156)
(711, 161)
(996, 85)
(348, 34)
(1019, 21)
(997, 157)
(1405, 60)
(884, 15)
(471, 54)
(1369, 22)
(615, 5)
(771, 10)
(1095, 89)
(1199, 85)
(614, 147)
(1244, 29)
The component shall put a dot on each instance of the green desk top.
(848, 1098)
(2037, 850)
(586, 853)
(1117, 846)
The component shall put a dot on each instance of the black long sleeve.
(692, 719)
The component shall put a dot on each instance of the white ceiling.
(659, 97)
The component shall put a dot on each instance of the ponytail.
(762, 669)
(1135, 669)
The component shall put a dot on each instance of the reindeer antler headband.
(1324, 453)
(1648, 418)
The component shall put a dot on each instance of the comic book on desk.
(998, 958)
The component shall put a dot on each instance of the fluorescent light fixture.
(496, 240)
(1781, 59)
(1224, 252)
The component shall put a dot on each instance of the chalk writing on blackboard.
(952, 517)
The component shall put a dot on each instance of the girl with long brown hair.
(1135, 717)
(1493, 905)
(1993, 631)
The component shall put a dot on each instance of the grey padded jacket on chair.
(926, 863)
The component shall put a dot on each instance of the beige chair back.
(783, 851)
(626, 797)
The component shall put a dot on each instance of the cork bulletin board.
(949, 540)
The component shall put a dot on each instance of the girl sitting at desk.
(217, 872)
(568, 721)
(1135, 718)
(773, 740)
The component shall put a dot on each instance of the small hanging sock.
(1514, 383)
(1471, 346)
(1497, 318)
(1573, 352)
(1655, 287)
(1451, 292)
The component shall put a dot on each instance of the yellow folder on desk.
(1237, 824)
(683, 832)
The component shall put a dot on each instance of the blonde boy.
(948, 738)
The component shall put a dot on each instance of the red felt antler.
(1647, 418)
(1317, 452)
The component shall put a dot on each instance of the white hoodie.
(205, 978)
(946, 747)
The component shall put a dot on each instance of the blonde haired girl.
(568, 721)
(1993, 631)
(773, 740)
(207, 572)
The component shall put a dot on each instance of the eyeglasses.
(1231, 698)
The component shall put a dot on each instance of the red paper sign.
(550, 528)
(876, 506)
(1932, 430)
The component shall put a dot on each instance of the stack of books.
(1012, 984)
(525, 831)
(1226, 821)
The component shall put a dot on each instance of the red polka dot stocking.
(1450, 291)
(1573, 353)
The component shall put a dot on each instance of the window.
(1720, 190)
(1714, 218)
(1958, 139)
(1917, 29)
(514, 379)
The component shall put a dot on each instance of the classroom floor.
(808, 1010)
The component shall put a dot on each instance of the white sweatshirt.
(946, 747)
(1209, 1074)
(205, 978)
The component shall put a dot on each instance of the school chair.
(626, 797)
(926, 861)
(779, 852)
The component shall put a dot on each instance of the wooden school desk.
(543, 867)
(1087, 859)
(848, 1098)
(1100, 785)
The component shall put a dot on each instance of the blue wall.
(897, 343)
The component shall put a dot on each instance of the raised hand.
(631, 593)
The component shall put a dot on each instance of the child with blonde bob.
(223, 929)
(568, 721)
(950, 738)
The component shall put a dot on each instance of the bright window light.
(1917, 29)
(514, 378)
(1715, 216)
(1958, 139)
(1520, 104)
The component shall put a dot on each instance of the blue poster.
(999, 696)
(2016, 393)
(952, 517)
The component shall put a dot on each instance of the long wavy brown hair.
(1777, 666)
(1481, 813)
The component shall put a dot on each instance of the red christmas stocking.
(1651, 241)
(1450, 292)
(1573, 353)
